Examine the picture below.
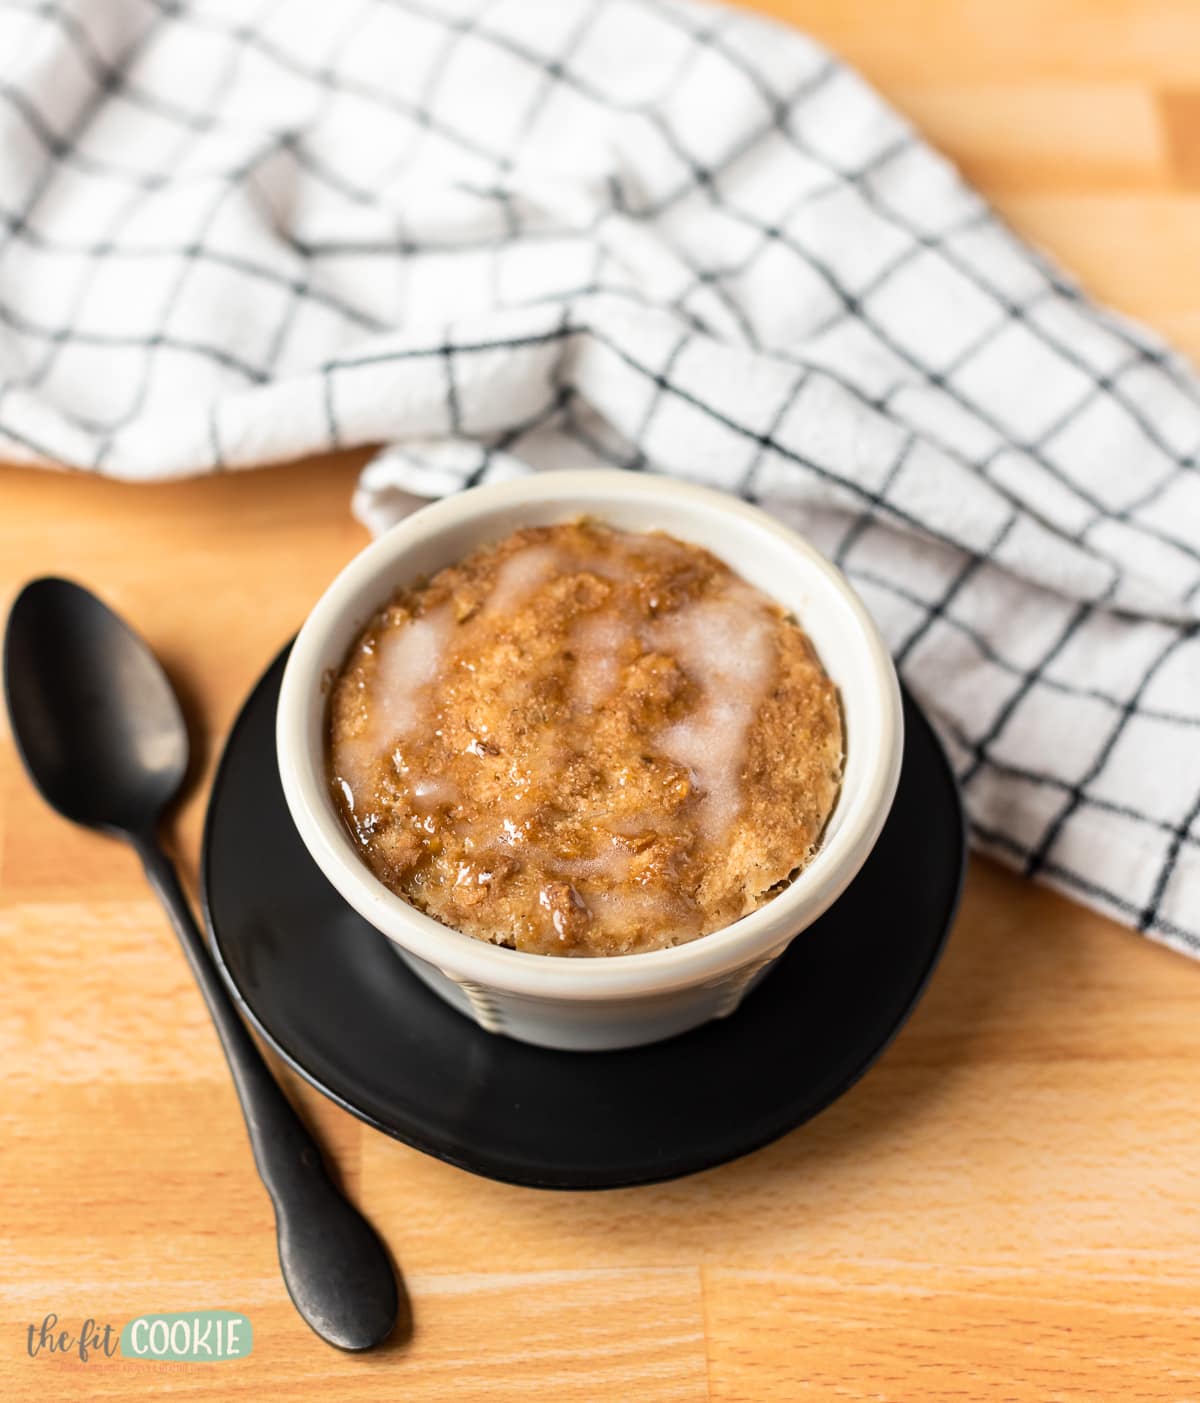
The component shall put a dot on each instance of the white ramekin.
(622, 1000)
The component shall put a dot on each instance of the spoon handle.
(337, 1270)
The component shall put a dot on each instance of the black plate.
(330, 995)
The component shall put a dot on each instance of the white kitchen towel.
(524, 234)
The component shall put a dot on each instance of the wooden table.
(1008, 1207)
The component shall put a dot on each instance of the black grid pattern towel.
(530, 233)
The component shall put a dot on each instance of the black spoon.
(102, 736)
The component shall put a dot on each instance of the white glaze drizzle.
(725, 646)
(597, 643)
(408, 661)
(520, 575)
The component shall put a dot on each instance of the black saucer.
(331, 997)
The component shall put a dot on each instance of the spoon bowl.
(94, 716)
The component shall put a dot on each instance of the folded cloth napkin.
(525, 234)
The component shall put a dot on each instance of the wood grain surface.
(1006, 1208)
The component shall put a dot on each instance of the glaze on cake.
(582, 741)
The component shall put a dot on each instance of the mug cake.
(584, 741)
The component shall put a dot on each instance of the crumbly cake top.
(583, 741)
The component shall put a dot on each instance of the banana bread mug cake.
(583, 741)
